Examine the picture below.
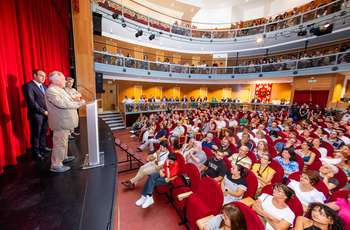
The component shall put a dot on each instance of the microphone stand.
(93, 96)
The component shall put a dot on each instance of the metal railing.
(137, 18)
(314, 62)
(147, 107)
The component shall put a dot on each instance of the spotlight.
(326, 29)
(260, 75)
(139, 33)
(335, 68)
(151, 37)
(259, 40)
(115, 16)
(123, 25)
(312, 30)
(327, 25)
(302, 33)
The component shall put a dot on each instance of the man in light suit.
(34, 93)
(63, 117)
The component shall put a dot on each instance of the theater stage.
(32, 197)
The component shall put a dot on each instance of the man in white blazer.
(63, 117)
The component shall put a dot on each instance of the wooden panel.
(138, 54)
(323, 82)
(137, 92)
(109, 97)
(245, 95)
(111, 47)
(226, 92)
(195, 60)
(158, 91)
(176, 58)
(222, 62)
(160, 55)
(176, 92)
(203, 92)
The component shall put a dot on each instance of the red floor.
(128, 216)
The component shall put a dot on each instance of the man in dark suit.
(34, 93)
(256, 99)
(184, 99)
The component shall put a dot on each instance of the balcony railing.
(148, 107)
(141, 20)
(336, 59)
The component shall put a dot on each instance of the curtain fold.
(302, 96)
(33, 35)
(320, 97)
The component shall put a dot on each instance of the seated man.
(330, 127)
(196, 156)
(225, 143)
(245, 130)
(161, 133)
(156, 162)
(175, 133)
(162, 178)
(274, 126)
(214, 166)
(291, 141)
(341, 136)
(261, 127)
(244, 142)
(333, 140)
(208, 142)
(241, 158)
(220, 125)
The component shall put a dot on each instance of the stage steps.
(113, 119)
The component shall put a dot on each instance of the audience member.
(196, 155)
(289, 144)
(214, 166)
(245, 142)
(333, 140)
(263, 172)
(161, 133)
(288, 161)
(342, 206)
(241, 158)
(261, 149)
(208, 142)
(326, 173)
(233, 185)
(176, 133)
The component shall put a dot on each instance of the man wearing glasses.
(291, 141)
(341, 136)
(333, 140)
(34, 94)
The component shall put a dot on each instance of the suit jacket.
(151, 100)
(199, 100)
(256, 100)
(164, 99)
(171, 99)
(35, 99)
(184, 99)
(62, 109)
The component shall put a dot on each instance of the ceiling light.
(328, 24)
(191, 9)
(222, 4)
(246, 0)
(259, 40)
(172, 4)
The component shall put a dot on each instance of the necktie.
(42, 89)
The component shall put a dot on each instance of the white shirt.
(323, 152)
(162, 156)
(221, 124)
(256, 140)
(38, 84)
(306, 197)
(276, 102)
(233, 123)
(286, 214)
(256, 130)
(127, 100)
(345, 139)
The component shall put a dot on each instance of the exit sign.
(312, 81)
(109, 82)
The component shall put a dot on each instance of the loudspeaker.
(99, 82)
(97, 23)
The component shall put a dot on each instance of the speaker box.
(99, 82)
(97, 23)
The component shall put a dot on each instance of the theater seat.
(339, 194)
(252, 157)
(182, 137)
(206, 201)
(207, 151)
(217, 141)
(330, 149)
(272, 151)
(252, 184)
(252, 219)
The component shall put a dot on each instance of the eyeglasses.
(304, 177)
(277, 190)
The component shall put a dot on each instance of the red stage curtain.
(320, 97)
(302, 96)
(33, 35)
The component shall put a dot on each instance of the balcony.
(118, 67)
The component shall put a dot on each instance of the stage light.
(151, 37)
(115, 16)
(139, 33)
(302, 33)
(259, 40)
(327, 25)
(123, 25)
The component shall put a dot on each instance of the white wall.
(222, 15)
(253, 13)
(280, 6)
(236, 14)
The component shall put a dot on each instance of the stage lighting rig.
(139, 33)
(151, 37)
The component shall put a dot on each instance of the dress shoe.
(46, 150)
(38, 157)
(151, 153)
(75, 134)
(70, 137)
(128, 184)
(61, 169)
(69, 158)
(139, 149)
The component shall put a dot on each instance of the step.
(110, 115)
(111, 118)
(115, 123)
(117, 128)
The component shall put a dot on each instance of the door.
(226, 92)
(176, 92)
(137, 92)
(203, 92)
(108, 97)
(158, 92)
(245, 95)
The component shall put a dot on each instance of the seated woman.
(319, 217)
(306, 134)
(345, 149)
(344, 165)
(263, 172)
(288, 161)
(274, 135)
(233, 185)
(308, 156)
(191, 132)
(273, 210)
(231, 217)
(286, 130)
(207, 127)
(342, 206)
(186, 148)
(318, 144)
(228, 135)
(261, 149)
(320, 132)
(259, 136)
(149, 132)
(244, 121)
(326, 173)
(305, 190)
(299, 129)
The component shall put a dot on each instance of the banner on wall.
(263, 91)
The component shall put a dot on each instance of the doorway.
(245, 95)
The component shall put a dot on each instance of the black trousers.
(38, 132)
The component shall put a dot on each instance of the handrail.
(325, 60)
(144, 107)
(139, 19)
